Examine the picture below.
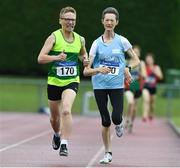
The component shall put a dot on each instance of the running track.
(25, 141)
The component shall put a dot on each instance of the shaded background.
(25, 25)
(152, 24)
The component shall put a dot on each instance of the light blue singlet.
(111, 55)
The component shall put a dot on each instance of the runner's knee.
(54, 120)
(106, 123)
(66, 112)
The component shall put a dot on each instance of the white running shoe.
(119, 129)
(106, 159)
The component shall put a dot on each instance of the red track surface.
(25, 141)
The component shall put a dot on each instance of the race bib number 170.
(66, 69)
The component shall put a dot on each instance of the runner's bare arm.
(88, 71)
(143, 72)
(158, 72)
(134, 60)
(83, 56)
(43, 56)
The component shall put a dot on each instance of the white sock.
(64, 141)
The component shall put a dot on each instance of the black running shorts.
(55, 92)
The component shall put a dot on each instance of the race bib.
(150, 79)
(114, 66)
(66, 68)
(135, 75)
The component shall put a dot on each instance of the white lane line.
(25, 140)
(92, 161)
(99, 152)
(31, 138)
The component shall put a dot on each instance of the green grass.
(176, 121)
(18, 95)
(163, 106)
(26, 95)
(21, 95)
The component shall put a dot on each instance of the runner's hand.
(62, 56)
(104, 70)
(128, 77)
(85, 61)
